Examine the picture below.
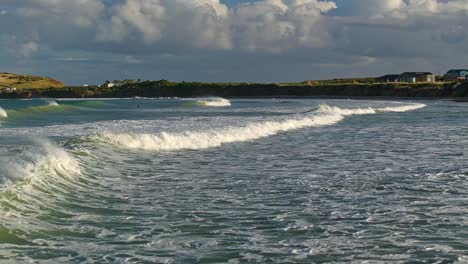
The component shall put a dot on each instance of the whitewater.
(211, 180)
(3, 113)
(325, 115)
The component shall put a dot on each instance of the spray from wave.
(324, 115)
(214, 102)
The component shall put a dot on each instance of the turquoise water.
(240, 181)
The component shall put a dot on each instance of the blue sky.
(90, 41)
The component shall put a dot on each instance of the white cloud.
(276, 25)
(268, 25)
(134, 19)
(361, 32)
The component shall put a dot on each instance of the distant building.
(415, 77)
(456, 75)
(110, 85)
(389, 78)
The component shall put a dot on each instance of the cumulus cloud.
(134, 19)
(266, 25)
(269, 25)
(276, 25)
(353, 33)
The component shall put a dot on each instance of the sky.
(91, 41)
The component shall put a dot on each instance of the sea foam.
(193, 140)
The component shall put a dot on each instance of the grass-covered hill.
(18, 81)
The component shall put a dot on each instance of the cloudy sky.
(90, 41)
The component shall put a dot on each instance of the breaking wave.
(322, 116)
(369, 110)
(52, 106)
(53, 103)
(46, 160)
(403, 108)
(214, 102)
(3, 113)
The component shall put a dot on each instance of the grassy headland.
(11, 80)
(365, 87)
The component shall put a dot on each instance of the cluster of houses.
(427, 77)
(118, 83)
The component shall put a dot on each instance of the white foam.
(369, 110)
(215, 102)
(52, 103)
(403, 108)
(47, 159)
(3, 113)
(209, 139)
(346, 112)
(325, 115)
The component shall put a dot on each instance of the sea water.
(232, 181)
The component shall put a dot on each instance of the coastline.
(164, 89)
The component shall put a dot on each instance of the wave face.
(52, 107)
(324, 115)
(214, 102)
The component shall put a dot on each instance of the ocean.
(211, 180)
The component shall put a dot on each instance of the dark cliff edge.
(191, 89)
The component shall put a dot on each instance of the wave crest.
(324, 115)
(402, 108)
(48, 159)
(3, 113)
(210, 139)
(214, 102)
(369, 110)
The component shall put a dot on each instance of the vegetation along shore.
(365, 87)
